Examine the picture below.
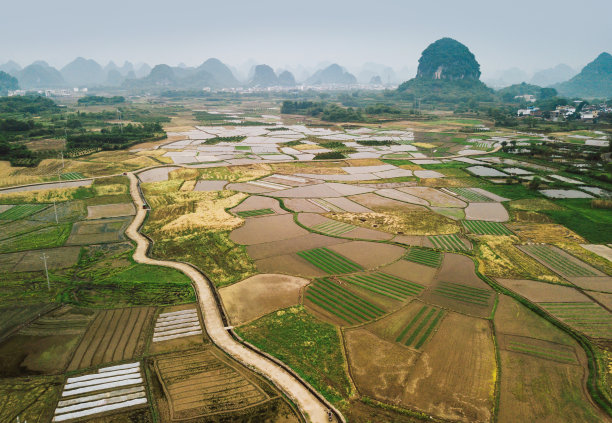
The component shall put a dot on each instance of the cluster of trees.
(116, 137)
(327, 112)
(96, 99)
(34, 105)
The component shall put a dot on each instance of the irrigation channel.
(313, 407)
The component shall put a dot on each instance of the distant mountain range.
(593, 81)
(333, 74)
(445, 59)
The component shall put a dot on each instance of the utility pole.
(120, 120)
(55, 209)
(62, 156)
(44, 257)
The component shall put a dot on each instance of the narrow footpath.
(311, 407)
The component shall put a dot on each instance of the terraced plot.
(200, 384)
(106, 391)
(589, 318)
(463, 293)
(114, 335)
(341, 302)
(427, 257)
(72, 176)
(333, 228)
(269, 185)
(252, 213)
(470, 195)
(329, 261)
(12, 317)
(557, 261)
(448, 242)
(420, 328)
(482, 227)
(385, 284)
(177, 324)
(21, 210)
(326, 205)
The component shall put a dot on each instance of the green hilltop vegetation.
(7, 82)
(447, 72)
(594, 81)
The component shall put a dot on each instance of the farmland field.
(589, 317)
(199, 384)
(107, 390)
(114, 335)
(483, 227)
(384, 284)
(424, 256)
(329, 261)
(470, 195)
(45, 346)
(307, 345)
(71, 176)
(11, 317)
(418, 330)
(447, 242)
(333, 228)
(30, 399)
(463, 293)
(251, 213)
(341, 303)
(559, 262)
(21, 210)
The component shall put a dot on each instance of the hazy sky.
(528, 34)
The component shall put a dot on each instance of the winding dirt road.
(310, 406)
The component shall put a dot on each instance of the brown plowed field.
(411, 271)
(452, 378)
(259, 295)
(534, 389)
(114, 335)
(542, 292)
(267, 229)
(374, 201)
(369, 254)
(199, 383)
(535, 386)
(291, 245)
(288, 264)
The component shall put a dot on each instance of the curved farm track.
(313, 408)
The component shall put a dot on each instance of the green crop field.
(463, 293)
(341, 302)
(482, 227)
(384, 284)
(72, 176)
(557, 262)
(547, 353)
(447, 242)
(419, 329)
(470, 195)
(329, 261)
(21, 210)
(258, 212)
(333, 228)
(431, 258)
(589, 318)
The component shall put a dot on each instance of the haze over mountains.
(594, 80)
